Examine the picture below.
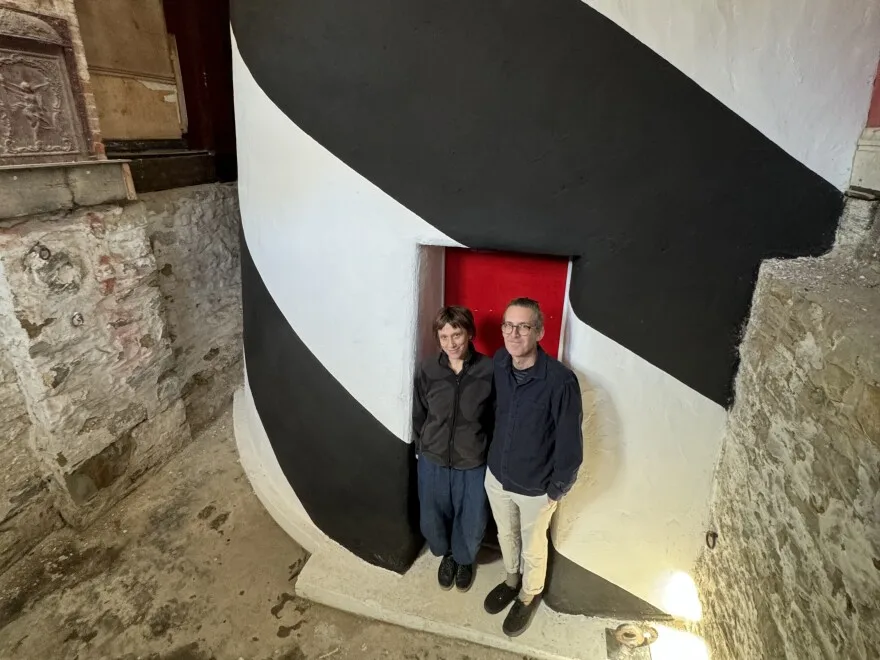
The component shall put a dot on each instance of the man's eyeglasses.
(522, 328)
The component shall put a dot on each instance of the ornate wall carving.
(40, 114)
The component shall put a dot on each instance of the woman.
(453, 417)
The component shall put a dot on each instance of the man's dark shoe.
(446, 572)
(464, 577)
(520, 616)
(500, 597)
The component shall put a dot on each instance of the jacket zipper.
(458, 378)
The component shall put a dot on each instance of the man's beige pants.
(522, 522)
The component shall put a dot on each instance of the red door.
(486, 281)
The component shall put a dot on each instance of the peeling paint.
(157, 86)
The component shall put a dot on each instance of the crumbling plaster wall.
(120, 331)
(796, 569)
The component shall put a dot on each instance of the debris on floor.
(189, 567)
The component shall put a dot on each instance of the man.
(533, 460)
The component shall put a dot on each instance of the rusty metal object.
(711, 539)
(633, 635)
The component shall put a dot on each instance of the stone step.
(858, 228)
(415, 601)
(46, 188)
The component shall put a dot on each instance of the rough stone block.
(194, 236)
(84, 324)
(866, 162)
(26, 512)
(856, 221)
(121, 328)
(101, 182)
(100, 481)
(798, 486)
(21, 476)
(31, 190)
(32, 520)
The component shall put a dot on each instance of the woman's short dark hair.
(458, 317)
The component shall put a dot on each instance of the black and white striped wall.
(667, 148)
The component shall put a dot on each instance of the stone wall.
(82, 318)
(194, 236)
(120, 330)
(26, 513)
(796, 570)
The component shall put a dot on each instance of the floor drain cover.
(630, 641)
(633, 635)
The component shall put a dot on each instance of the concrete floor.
(189, 567)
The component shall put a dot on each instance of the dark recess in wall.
(204, 45)
(541, 126)
(355, 478)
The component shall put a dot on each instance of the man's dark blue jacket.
(538, 445)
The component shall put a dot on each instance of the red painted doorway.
(486, 281)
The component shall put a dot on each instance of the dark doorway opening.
(200, 31)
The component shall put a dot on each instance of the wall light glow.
(680, 597)
(675, 644)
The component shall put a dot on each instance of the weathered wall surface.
(85, 331)
(120, 325)
(796, 570)
(26, 513)
(194, 236)
(129, 61)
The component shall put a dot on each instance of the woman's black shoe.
(446, 572)
(499, 598)
(520, 616)
(464, 577)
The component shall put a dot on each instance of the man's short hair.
(533, 305)
(456, 316)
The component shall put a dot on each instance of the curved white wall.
(341, 260)
(268, 480)
(637, 514)
(800, 71)
(338, 255)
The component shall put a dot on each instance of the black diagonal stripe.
(541, 126)
(572, 589)
(353, 476)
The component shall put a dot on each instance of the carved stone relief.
(39, 121)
